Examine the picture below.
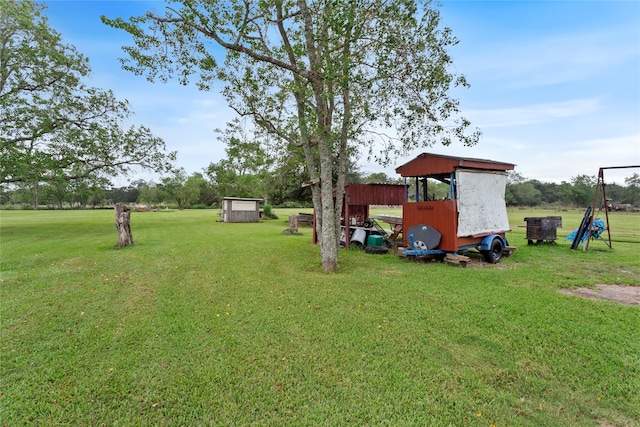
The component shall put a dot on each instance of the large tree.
(584, 189)
(180, 189)
(52, 125)
(329, 78)
(247, 171)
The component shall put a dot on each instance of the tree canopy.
(52, 125)
(325, 79)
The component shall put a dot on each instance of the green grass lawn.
(205, 323)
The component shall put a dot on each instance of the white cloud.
(535, 113)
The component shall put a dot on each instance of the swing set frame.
(600, 184)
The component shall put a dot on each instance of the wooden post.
(123, 219)
(293, 224)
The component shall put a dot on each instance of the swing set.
(586, 226)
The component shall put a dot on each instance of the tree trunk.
(36, 202)
(329, 238)
(123, 219)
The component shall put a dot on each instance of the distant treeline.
(207, 190)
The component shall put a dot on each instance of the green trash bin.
(374, 240)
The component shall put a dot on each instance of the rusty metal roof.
(374, 194)
(436, 164)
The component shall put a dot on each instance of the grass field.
(205, 323)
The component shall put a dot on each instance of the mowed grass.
(205, 323)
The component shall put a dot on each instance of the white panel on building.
(481, 204)
(243, 205)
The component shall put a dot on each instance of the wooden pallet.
(456, 259)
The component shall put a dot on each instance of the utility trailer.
(473, 216)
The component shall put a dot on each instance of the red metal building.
(357, 200)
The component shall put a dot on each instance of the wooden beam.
(310, 183)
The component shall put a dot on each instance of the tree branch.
(236, 47)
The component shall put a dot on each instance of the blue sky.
(555, 85)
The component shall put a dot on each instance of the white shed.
(237, 209)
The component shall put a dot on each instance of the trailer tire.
(494, 254)
(380, 250)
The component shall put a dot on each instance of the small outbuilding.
(237, 209)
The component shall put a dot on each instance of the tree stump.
(293, 224)
(123, 224)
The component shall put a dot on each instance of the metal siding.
(440, 215)
(374, 194)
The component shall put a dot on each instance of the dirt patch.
(629, 295)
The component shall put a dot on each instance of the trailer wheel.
(494, 254)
